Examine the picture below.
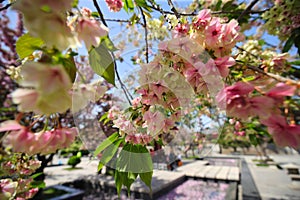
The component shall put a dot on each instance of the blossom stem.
(173, 9)
(249, 7)
(146, 35)
(271, 75)
(5, 7)
(100, 12)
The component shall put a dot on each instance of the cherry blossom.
(283, 133)
(44, 19)
(23, 140)
(202, 19)
(51, 89)
(114, 5)
(90, 31)
(223, 64)
(280, 91)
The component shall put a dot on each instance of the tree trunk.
(44, 162)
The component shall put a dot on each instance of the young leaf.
(27, 44)
(70, 67)
(296, 62)
(124, 178)
(118, 181)
(289, 43)
(100, 166)
(143, 4)
(110, 151)
(102, 63)
(147, 178)
(128, 5)
(103, 117)
(134, 158)
(106, 41)
(108, 141)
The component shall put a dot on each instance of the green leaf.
(95, 14)
(143, 4)
(128, 5)
(100, 166)
(110, 151)
(75, 3)
(134, 158)
(38, 184)
(118, 181)
(108, 141)
(253, 139)
(296, 62)
(103, 117)
(147, 178)
(36, 175)
(70, 67)
(102, 63)
(124, 178)
(229, 6)
(289, 43)
(27, 44)
(218, 5)
(106, 41)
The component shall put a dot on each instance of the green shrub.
(73, 161)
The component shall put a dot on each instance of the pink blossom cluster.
(89, 29)
(22, 168)
(196, 66)
(114, 5)
(283, 133)
(238, 102)
(19, 189)
(214, 34)
(49, 83)
(142, 139)
(23, 140)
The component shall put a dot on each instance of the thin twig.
(5, 7)
(146, 34)
(173, 9)
(100, 12)
(249, 7)
(157, 8)
(242, 49)
(123, 20)
(274, 76)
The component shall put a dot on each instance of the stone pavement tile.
(274, 183)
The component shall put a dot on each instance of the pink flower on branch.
(50, 93)
(90, 31)
(114, 5)
(202, 19)
(23, 140)
(223, 64)
(283, 133)
(280, 91)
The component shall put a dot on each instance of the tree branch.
(271, 75)
(158, 8)
(100, 12)
(146, 34)
(5, 7)
(123, 20)
(173, 9)
(249, 7)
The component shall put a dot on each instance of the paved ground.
(272, 183)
